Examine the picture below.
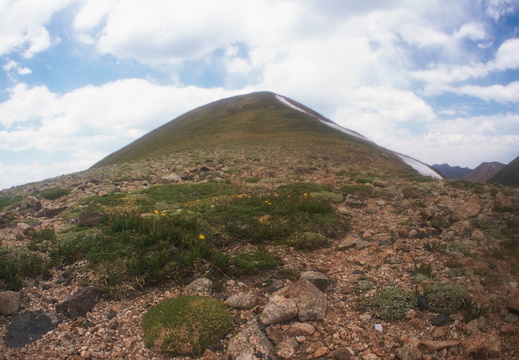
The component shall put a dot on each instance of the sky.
(437, 80)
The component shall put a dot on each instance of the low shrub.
(54, 193)
(446, 298)
(392, 303)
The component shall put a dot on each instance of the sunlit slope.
(257, 119)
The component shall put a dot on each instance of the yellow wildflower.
(201, 237)
(156, 211)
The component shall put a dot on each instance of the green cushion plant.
(186, 325)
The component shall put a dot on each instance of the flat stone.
(440, 320)
(340, 354)
(347, 243)
(242, 301)
(511, 318)
(28, 327)
(429, 346)
(80, 303)
(9, 302)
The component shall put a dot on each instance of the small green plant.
(423, 269)
(308, 241)
(41, 239)
(54, 193)
(446, 298)
(364, 284)
(458, 246)
(186, 325)
(435, 246)
(411, 192)
(456, 272)
(438, 222)
(16, 265)
(253, 262)
(392, 303)
(472, 311)
(251, 180)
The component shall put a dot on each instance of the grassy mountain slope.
(509, 175)
(256, 119)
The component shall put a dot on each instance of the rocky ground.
(451, 230)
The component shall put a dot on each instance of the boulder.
(23, 228)
(171, 178)
(200, 286)
(310, 301)
(9, 302)
(347, 243)
(469, 209)
(28, 327)
(80, 303)
(278, 309)
(242, 301)
(32, 203)
(249, 344)
(482, 346)
(502, 202)
(317, 278)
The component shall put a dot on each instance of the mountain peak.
(262, 118)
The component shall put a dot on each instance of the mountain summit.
(264, 119)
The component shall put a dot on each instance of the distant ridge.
(451, 172)
(266, 119)
(509, 175)
(484, 172)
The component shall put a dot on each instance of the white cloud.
(507, 56)
(92, 119)
(22, 29)
(499, 8)
(502, 93)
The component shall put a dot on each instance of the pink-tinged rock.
(512, 300)
(482, 346)
(502, 203)
(310, 301)
(429, 346)
(278, 309)
(468, 210)
(250, 343)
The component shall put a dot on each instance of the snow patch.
(289, 104)
(326, 122)
(346, 131)
(422, 168)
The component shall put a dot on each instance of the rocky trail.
(403, 234)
